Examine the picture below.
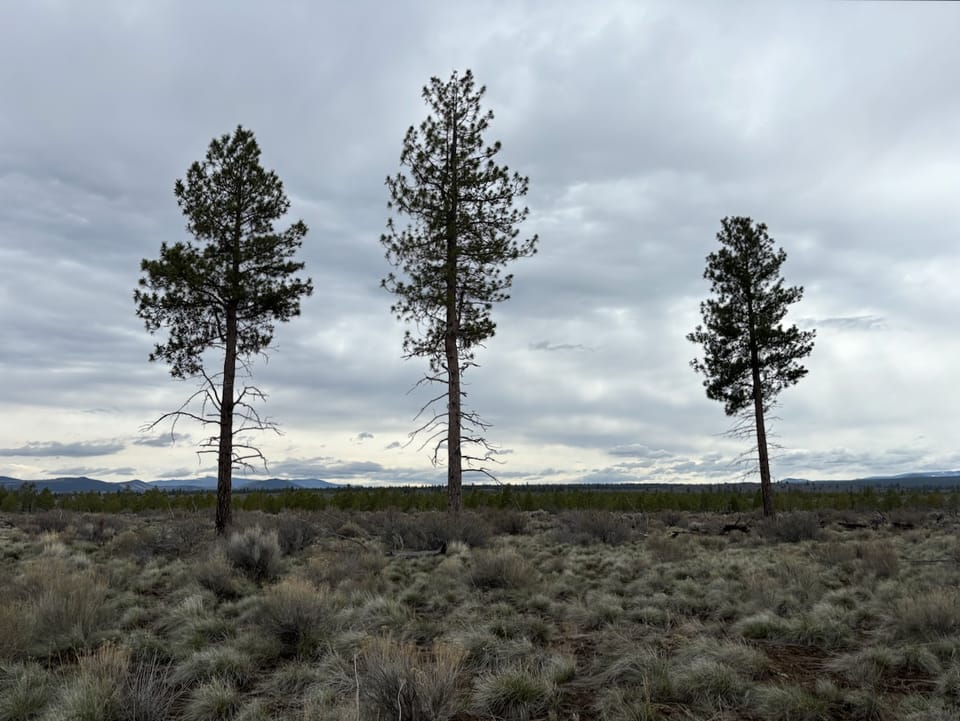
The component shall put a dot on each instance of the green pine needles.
(224, 291)
(463, 231)
(749, 356)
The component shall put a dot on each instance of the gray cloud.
(851, 322)
(640, 127)
(164, 440)
(324, 468)
(551, 347)
(122, 473)
(54, 449)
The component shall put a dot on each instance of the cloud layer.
(640, 126)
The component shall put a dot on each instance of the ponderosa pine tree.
(224, 292)
(749, 356)
(462, 232)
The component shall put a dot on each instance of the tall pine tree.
(749, 356)
(463, 230)
(224, 292)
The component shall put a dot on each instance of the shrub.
(792, 527)
(360, 568)
(217, 575)
(395, 681)
(294, 533)
(499, 569)
(255, 552)
(586, 527)
(296, 615)
(507, 521)
(430, 530)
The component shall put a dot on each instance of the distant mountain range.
(82, 484)
(926, 479)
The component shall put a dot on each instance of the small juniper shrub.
(255, 552)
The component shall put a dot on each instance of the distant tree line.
(706, 499)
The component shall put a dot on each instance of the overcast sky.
(640, 126)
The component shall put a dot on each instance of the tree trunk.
(225, 453)
(454, 453)
(766, 490)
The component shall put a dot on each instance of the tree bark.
(225, 452)
(766, 489)
(454, 453)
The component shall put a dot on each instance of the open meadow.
(337, 615)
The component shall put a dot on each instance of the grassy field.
(577, 615)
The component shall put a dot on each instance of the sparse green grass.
(533, 616)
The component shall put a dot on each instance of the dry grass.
(591, 615)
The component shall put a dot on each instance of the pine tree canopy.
(236, 261)
(743, 320)
(463, 223)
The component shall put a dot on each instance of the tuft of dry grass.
(860, 624)
(398, 680)
(296, 615)
(928, 616)
(499, 569)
